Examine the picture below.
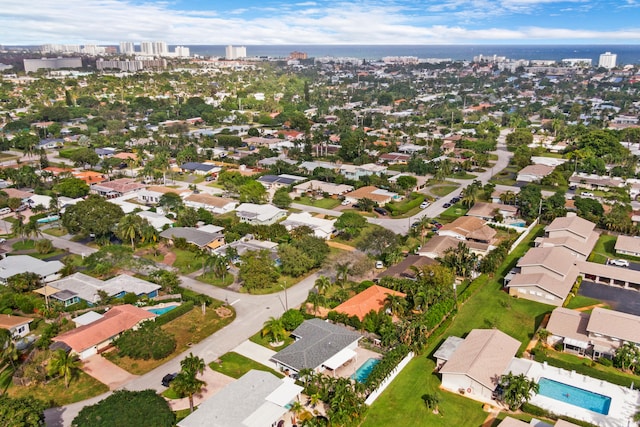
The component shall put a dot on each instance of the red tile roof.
(371, 298)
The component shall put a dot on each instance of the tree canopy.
(95, 215)
(126, 408)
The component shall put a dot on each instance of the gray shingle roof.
(318, 342)
(192, 235)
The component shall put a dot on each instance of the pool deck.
(161, 305)
(624, 401)
(351, 367)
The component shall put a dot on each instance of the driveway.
(215, 382)
(625, 300)
(106, 372)
(256, 352)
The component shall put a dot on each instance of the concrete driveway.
(215, 382)
(106, 372)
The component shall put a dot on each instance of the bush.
(167, 317)
(291, 319)
(124, 408)
(404, 207)
(149, 341)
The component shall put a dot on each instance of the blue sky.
(268, 22)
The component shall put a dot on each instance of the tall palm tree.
(18, 228)
(185, 384)
(64, 364)
(423, 225)
(343, 269)
(395, 303)
(322, 284)
(130, 228)
(193, 365)
(274, 330)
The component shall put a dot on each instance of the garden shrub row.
(386, 365)
(167, 317)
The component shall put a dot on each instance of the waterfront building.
(608, 60)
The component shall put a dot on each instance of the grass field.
(326, 203)
(452, 213)
(235, 365)
(220, 282)
(442, 190)
(54, 393)
(605, 248)
(489, 307)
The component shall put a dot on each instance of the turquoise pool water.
(162, 310)
(363, 371)
(574, 396)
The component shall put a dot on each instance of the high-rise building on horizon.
(127, 48)
(146, 48)
(160, 48)
(608, 60)
(182, 52)
(235, 52)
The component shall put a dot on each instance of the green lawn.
(452, 213)
(186, 261)
(580, 301)
(463, 175)
(488, 307)
(54, 392)
(442, 190)
(55, 231)
(260, 340)
(326, 203)
(605, 249)
(235, 365)
(220, 282)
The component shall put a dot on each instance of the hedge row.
(402, 208)
(167, 317)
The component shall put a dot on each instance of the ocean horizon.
(627, 54)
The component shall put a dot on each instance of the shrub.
(291, 319)
(167, 317)
(149, 341)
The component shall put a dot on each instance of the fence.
(524, 235)
(392, 375)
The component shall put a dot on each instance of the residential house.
(322, 228)
(246, 244)
(571, 232)
(91, 339)
(394, 158)
(628, 245)
(478, 362)
(156, 220)
(17, 326)
(14, 193)
(534, 173)
(370, 192)
(596, 334)
(437, 246)
(201, 239)
(321, 187)
(546, 275)
(78, 286)
(372, 298)
(18, 264)
(214, 204)
(320, 346)
(257, 398)
(313, 165)
(117, 188)
(596, 182)
(51, 143)
(405, 269)
(279, 181)
(106, 152)
(152, 194)
(200, 168)
(355, 172)
(259, 214)
(489, 211)
(469, 228)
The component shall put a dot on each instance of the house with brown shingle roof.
(214, 204)
(117, 188)
(534, 173)
(370, 192)
(97, 336)
(628, 245)
(478, 362)
(370, 299)
(469, 228)
(17, 326)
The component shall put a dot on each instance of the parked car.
(454, 200)
(379, 264)
(587, 194)
(424, 204)
(619, 262)
(166, 380)
(345, 202)
(381, 211)
(5, 211)
(446, 205)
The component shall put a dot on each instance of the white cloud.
(364, 22)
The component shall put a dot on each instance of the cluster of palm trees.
(187, 383)
(25, 230)
(134, 228)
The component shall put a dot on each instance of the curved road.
(251, 310)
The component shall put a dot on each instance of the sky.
(272, 22)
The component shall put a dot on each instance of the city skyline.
(272, 22)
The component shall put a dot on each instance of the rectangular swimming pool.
(363, 371)
(162, 310)
(574, 396)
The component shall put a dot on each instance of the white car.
(619, 262)
(424, 204)
(586, 194)
(345, 203)
(379, 264)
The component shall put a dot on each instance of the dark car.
(381, 211)
(446, 205)
(455, 200)
(166, 380)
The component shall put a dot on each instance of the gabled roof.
(371, 298)
(115, 321)
(17, 264)
(191, 235)
(555, 259)
(8, 321)
(255, 399)
(210, 200)
(627, 243)
(559, 288)
(610, 323)
(573, 224)
(484, 356)
(317, 342)
(569, 323)
(470, 227)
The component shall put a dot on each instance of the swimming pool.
(162, 310)
(574, 396)
(363, 371)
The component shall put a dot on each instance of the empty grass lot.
(326, 203)
(54, 393)
(488, 307)
(442, 190)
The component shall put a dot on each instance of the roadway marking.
(238, 300)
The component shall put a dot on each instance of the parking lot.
(625, 300)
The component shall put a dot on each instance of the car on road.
(424, 204)
(454, 200)
(381, 211)
(619, 262)
(446, 205)
(166, 380)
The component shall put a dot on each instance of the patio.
(349, 368)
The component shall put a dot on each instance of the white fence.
(385, 383)
(524, 234)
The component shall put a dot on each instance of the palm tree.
(342, 272)
(130, 228)
(395, 303)
(185, 384)
(297, 409)
(8, 358)
(64, 364)
(274, 330)
(322, 284)
(18, 228)
(316, 299)
(193, 365)
(423, 224)
(517, 389)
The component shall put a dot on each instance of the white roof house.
(259, 214)
(87, 287)
(322, 228)
(157, 221)
(256, 399)
(18, 264)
